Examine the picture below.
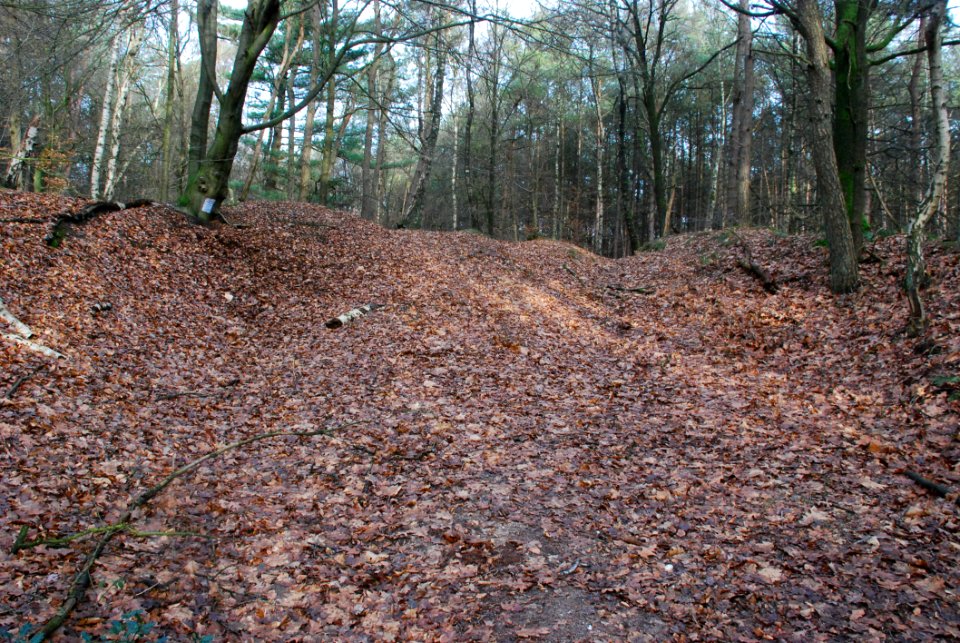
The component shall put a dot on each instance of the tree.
(916, 269)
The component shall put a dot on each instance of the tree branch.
(81, 581)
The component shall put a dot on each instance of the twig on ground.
(81, 582)
(23, 220)
(935, 488)
(640, 290)
(20, 382)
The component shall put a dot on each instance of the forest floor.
(527, 448)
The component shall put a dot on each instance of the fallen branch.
(575, 275)
(23, 220)
(935, 488)
(59, 229)
(81, 582)
(33, 346)
(20, 382)
(170, 395)
(754, 269)
(22, 543)
(18, 326)
(641, 290)
(347, 317)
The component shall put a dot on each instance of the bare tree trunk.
(428, 143)
(208, 184)
(327, 151)
(453, 174)
(271, 159)
(844, 271)
(745, 131)
(558, 177)
(367, 181)
(916, 268)
(601, 142)
(738, 172)
(379, 175)
(128, 67)
(173, 49)
(100, 150)
(293, 184)
(15, 173)
(468, 123)
(200, 118)
(915, 90)
(713, 212)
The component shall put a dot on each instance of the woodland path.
(537, 455)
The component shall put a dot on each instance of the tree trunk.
(916, 266)
(293, 183)
(656, 158)
(601, 142)
(413, 216)
(738, 161)
(271, 160)
(844, 275)
(200, 119)
(468, 123)
(851, 101)
(15, 173)
(915, 90)
(367, 176)
(173, 48)
(208, 184)
(745, 132)
(327, 151)
(379, 175)
(127, 68)
(100, 150)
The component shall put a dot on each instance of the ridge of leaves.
(541, 456)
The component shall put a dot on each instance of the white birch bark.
(14, 177)
(101, 147)
(127, 68)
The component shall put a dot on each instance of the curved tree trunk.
(209, 181)
(916, 266)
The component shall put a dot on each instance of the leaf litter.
(549, 445)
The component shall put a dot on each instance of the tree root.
(81, 582)
(59, 229)
(935, 488)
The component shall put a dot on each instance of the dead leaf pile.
(551, 445)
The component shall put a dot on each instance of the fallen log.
(29, 344)
(59, 229)
(349, 316)
(18, 326)
(754, 269)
